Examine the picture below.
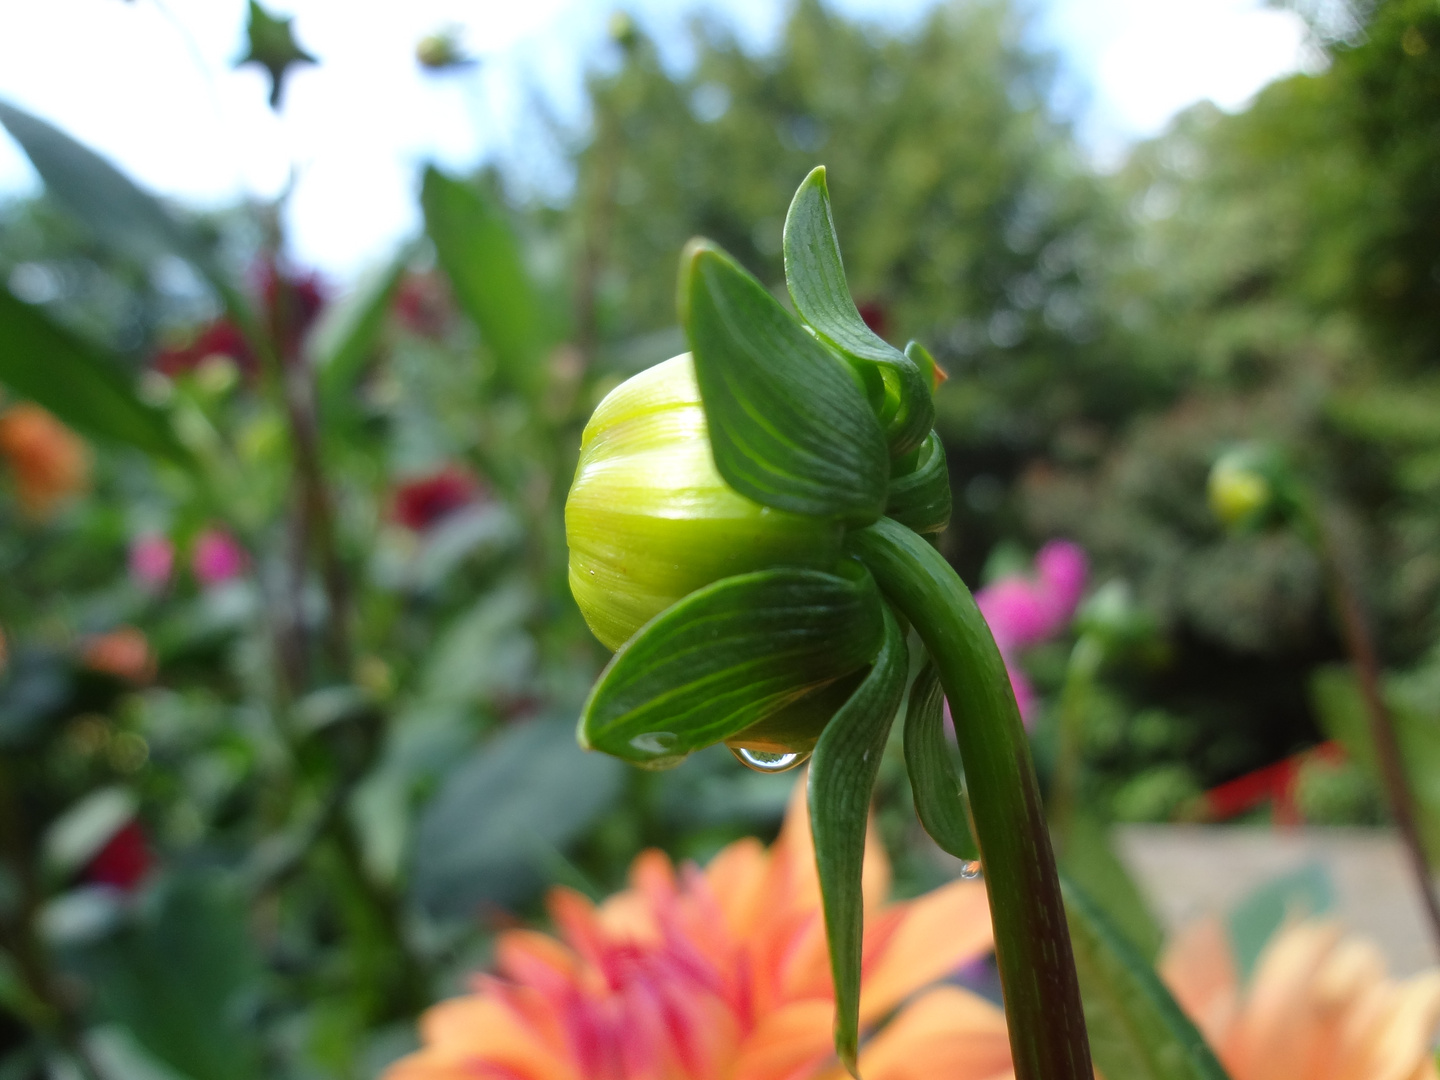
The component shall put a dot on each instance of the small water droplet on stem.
(971, 869)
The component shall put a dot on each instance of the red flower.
(292, 305)
(220, 338)
(422, 304)
(420, 503)
(876, 316)
(124, 860)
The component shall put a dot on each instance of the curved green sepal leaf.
(796, 728)
(842, 776)
(1136, 1028)
(815, 276)
(938, 793)
(788, 426)
(478, 252)
(729, 655)
(920, 499)
(75, 380)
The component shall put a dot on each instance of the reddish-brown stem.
(1364, 657)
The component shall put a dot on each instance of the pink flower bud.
(217, 558)
(152, 559)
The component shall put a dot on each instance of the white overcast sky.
(150, 84)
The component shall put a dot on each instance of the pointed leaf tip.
(842, 777)
(815, 276)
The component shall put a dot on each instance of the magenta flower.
(1023, 611)
(217, 558)
(152, 559)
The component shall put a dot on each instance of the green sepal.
(815, 276)
(920, 499)
(938, 793)
(729, 655)
(789, 427)
(1136, 1028)
(796, 728)
(842, 777)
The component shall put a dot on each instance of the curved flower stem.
(1032, 942)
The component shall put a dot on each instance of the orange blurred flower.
(123, 652)
(722, 973)
(49, 460)
(1319, 1006)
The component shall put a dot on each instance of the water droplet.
(970, 869)
(655, 742)
(767, 762)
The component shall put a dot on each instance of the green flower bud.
(649, 519)
(1238, 490)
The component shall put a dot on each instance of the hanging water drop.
(970, 869)
(768, 762)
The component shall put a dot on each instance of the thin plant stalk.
(1048, 1039)
(1365, 659)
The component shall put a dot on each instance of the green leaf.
(1137, 1031)
(115, 208)
(100, 195)
(78, 382)
(842, 776)
(920, 499)
(937, 790)
(788, 426)
(815, 276)
(179, 979)
(479, 254)
(729, 655)
(1088, 860)
(348, 330)
(502, 816)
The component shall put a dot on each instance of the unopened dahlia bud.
(649, 519)
(1238, 489)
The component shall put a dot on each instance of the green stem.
(1032, 942)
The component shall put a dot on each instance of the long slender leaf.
(75, 380)
(788, 426)
(480, 256)
(1136, 1030)
(842, 776)
(939, 797)
(116, 209)
(348, 330)
(728, 656)
(103, 197)
(815, 275)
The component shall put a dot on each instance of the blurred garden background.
(290, 669)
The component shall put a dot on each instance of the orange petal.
(787, 1043)
(935, 934)
(946, 1034)
(1200, 971)
(464, 1034)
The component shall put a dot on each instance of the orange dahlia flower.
(49, 461)
(722, 974)
(1319, 1006)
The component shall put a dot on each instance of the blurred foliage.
(343, 756)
